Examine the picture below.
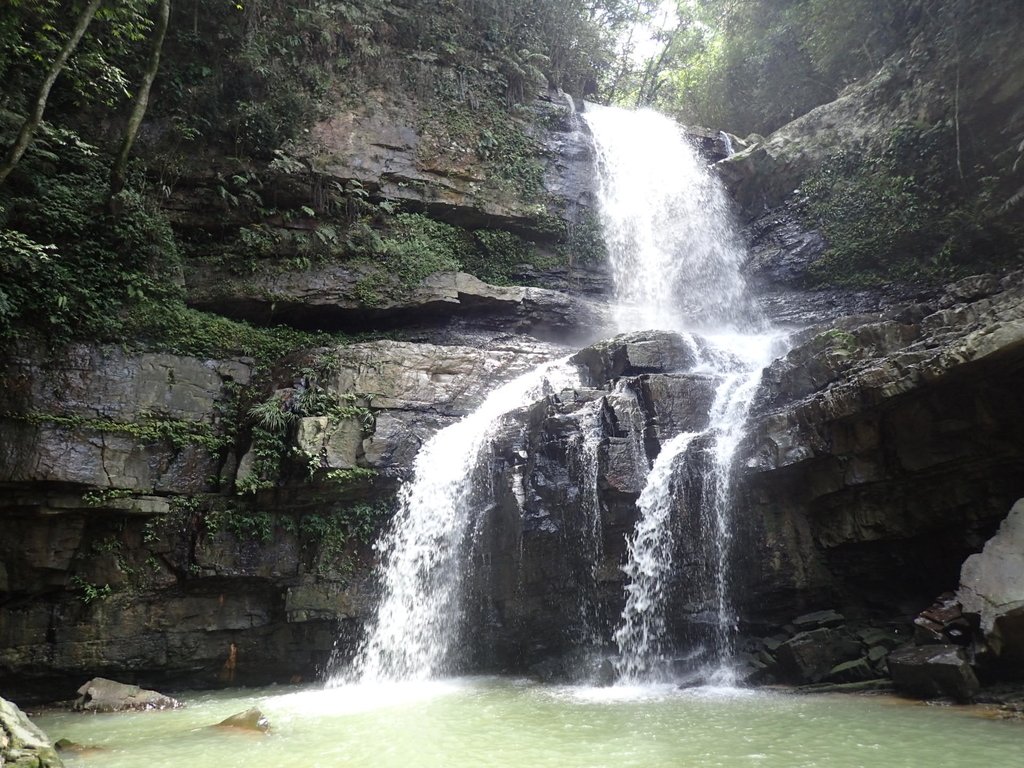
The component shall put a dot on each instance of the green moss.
(586, 243)
(146, 429)
(500, 256)
(902, 215)
(180, 330)
(416, 246)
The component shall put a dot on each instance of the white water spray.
(641, 635)
(419, 616)
(674, 257)
(676, 261)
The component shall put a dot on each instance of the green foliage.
(498, 254)
(148, 429)
(416, 246)
(903, 214)
(177, 329)
(240, 521)
(272, 425)
(753, 65)
(89, 592)
(333, 534)
(69, 269)
(586, 241)
(32, 32)
(105, 496)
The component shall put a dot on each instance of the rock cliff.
(176, 520)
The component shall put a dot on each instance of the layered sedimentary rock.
(883, 452)
(128, 551)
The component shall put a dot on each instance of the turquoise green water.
(507, 723)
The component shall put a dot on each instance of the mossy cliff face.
(383, 193)
(910, 177)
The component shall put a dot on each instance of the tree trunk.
(35, 117)
(117, 172)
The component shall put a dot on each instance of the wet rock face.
(882, 453)
(567, 473)
(992, 589)
(933, 671)
(107, 568)
(382, 142)
(115, 391)
(633, 354)
(326, 296)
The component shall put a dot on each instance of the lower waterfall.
(424, 555)
(676, 259)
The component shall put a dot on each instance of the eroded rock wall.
(130, 547)
(882, 453)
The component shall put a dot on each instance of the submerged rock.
(67, 745)
(103, 695)
(933, 670)
(252, 719)
(22, 744)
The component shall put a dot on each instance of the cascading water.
(676, 262)
(676, 266)
(419, 615)
(641, 635)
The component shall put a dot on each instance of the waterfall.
(676, 262)
(641, 635)
(727, 143)
(424, 555)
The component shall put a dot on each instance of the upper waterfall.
(675, 258)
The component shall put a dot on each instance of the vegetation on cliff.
(927, 181)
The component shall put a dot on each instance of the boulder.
(630, 354)
(933, 670)
(818, 619)
(992, 587)
(250, 720)
(22, 744)
(680, 402)
(851, 672)
(66, 745)
(335, 443)
(808, 657)
(103, 695)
